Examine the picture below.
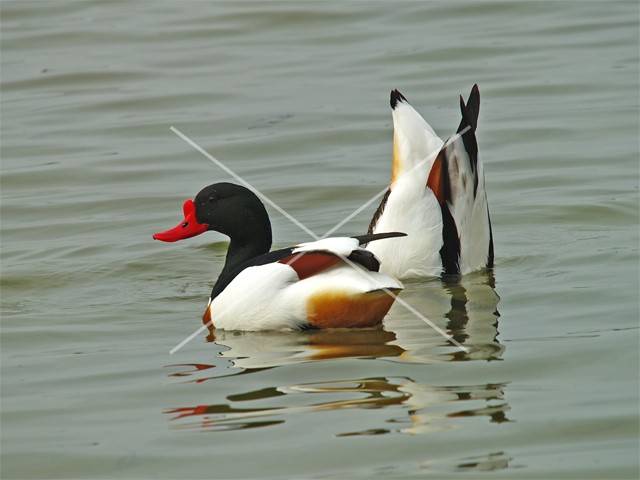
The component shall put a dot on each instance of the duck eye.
(185, 224)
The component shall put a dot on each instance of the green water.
(294, 97)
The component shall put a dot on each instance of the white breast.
(254, 300)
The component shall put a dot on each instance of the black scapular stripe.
(450, 251)
(365, 258)
(379, 211)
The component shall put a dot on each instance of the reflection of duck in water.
(481, 463)
(272, 349)
(467, 310)
(416, 408)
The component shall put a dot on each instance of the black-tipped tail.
(370, 237)
(396, 97)
(469, 121)
(471, 110)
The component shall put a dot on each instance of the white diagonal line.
(358, 269)
(243, 181)
(410, 308)
(355, 212)
(313, 235)
(190, 337)
(384, 190)
(229, 307)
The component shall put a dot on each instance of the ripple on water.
(295, 99)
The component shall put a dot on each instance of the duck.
(328, 283)
(436, 195)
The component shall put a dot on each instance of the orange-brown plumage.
(435, 181)
(341, 309)
(308, 264)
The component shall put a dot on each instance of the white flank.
(271, 297)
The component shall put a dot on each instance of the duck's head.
(227, 208)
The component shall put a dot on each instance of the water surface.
(295, 99)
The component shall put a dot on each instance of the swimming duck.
(328, 283)
(437, 196)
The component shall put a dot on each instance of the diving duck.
(328, 283)
(436, 196)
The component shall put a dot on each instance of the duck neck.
(253, 241)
